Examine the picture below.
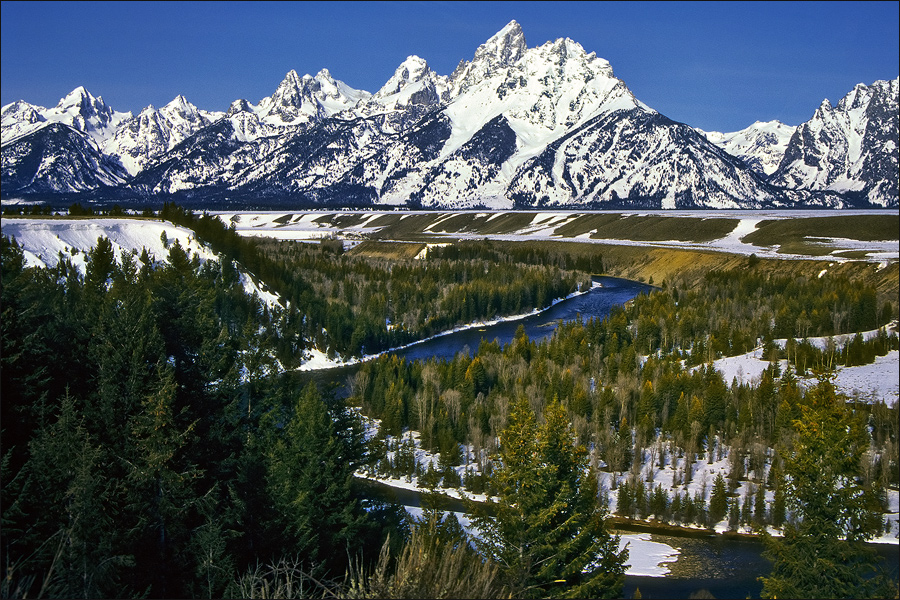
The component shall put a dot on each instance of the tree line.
(149, 447)
(158, 452)
(353, 305)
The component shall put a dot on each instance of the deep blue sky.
(717, 66)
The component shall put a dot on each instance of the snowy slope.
(761, 145)
(642, 159)
(57, 158)
(45, 241)
(512, 127)
(848, 148)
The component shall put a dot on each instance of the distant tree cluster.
(28, 210)
(352, 305)
(161, 449)
(632, 408)
(734, 310)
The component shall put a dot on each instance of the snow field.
(42, 241)
(543, 226)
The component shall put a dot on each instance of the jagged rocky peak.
(570, 60)
(180, 105)
(412, 70)
(861, 94)
(324, 82)
(824, 108)
(305, 100)
(850, 148)
(290, 91)
(412, 84)
(22, 110)
(546, 92)
(503, 49)
(20, 118)
(294, 90)
(237, 106)
(83, 101)
(86, 113)
(180, 110)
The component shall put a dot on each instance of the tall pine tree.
(822, 553)
(548, 529)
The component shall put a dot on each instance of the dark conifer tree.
(822, 553)
(548, 531)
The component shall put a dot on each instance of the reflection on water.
(725, 568)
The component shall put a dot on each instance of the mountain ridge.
(512, 127)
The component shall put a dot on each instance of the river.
(607, 293)
(723, 567)
(726, 568)
(597, 302)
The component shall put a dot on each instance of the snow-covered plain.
(545, 224)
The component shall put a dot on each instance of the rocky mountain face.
(851, 148)
(514, 127)
(761, 145)
(140, 140)
(58, 160)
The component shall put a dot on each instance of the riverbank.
(319, 360)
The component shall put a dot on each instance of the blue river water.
(723, 568)
(596, 303)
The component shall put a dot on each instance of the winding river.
(726, 568)
(596, 302)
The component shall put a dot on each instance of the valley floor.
(668, 229)
(44, 239)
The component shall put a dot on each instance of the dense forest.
(145, 450)
(354, 305)
(161, 449)
(158, 451)
(641, 381)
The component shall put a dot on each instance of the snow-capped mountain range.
(761, 145)
(549, 126)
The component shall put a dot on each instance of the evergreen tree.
(70, 539)
(547, 531)
(718, 500)
(759, 506)
(822, 553)
(161, 488)
(311, 470)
